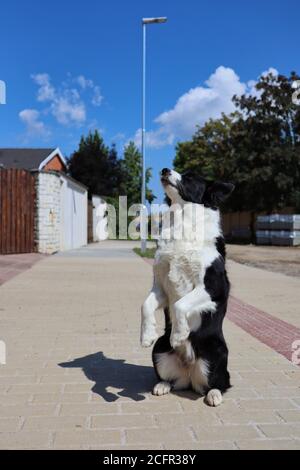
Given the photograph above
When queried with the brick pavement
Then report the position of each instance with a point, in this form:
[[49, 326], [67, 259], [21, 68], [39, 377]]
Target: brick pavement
[[76, 376], [272, 331], [12, 265]]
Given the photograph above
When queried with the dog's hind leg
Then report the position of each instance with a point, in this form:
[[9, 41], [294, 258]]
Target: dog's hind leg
[[172, 373], [155, 300], [219, 378]]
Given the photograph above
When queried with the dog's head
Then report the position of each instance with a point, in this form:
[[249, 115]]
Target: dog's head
[[189, 187]]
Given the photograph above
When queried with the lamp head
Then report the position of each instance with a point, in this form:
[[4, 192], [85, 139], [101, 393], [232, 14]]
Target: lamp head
[[160, 19]]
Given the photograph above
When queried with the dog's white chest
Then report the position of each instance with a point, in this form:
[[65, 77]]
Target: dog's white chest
[[180, 271]]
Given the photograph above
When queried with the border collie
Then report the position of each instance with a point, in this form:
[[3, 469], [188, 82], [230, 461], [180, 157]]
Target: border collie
[[191, 286]]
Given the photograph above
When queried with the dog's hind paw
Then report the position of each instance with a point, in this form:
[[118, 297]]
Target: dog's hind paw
[[214, 397], [161, 388]]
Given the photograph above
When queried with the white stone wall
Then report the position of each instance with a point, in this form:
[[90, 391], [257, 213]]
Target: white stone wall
[[48, 212], [73, 214]]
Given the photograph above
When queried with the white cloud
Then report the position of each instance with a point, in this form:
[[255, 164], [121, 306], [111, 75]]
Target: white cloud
[[197, 106], [84, 82], [46, 91], [97, 97], [154, 139], [118, 137], [66, 102], [270, 70], [34, 126], [87, 83], [251, 84], [68, 111]]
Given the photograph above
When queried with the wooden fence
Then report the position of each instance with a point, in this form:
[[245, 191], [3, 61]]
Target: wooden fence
[[237, 225], [17, 211]]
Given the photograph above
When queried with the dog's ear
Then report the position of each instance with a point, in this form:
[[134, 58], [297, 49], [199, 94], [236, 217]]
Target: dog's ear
[[217, 192]]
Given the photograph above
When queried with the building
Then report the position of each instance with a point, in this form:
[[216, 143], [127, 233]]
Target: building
[[41, 207], [33, 159]]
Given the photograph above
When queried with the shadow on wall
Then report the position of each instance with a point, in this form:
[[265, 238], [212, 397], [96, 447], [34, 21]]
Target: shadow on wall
[[132, 380]]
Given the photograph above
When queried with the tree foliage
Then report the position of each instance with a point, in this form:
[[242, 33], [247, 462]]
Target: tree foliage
[[98, 167], [257, 147], [132, 171]]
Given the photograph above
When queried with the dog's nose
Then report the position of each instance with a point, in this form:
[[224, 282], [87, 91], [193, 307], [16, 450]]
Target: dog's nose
[[165, 172]]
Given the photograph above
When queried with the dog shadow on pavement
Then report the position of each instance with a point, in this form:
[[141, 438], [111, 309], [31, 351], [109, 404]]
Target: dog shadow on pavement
[[132, 380]]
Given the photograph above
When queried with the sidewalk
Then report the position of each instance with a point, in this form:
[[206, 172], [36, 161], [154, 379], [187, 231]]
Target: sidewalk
[[76, 376]]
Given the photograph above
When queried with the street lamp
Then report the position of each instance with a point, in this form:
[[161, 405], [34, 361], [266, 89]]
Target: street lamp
[[145, 21]]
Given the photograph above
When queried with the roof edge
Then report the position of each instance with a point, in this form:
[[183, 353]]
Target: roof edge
[[52, 155]]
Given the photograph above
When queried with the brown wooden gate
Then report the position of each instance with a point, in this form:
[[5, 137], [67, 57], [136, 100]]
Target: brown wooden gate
[[17, 208]]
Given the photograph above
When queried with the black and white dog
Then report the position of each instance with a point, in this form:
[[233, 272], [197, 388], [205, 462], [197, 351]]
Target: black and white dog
[[191, 285]]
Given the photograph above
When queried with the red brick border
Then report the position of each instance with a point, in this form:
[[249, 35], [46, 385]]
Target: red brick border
[[12, 265], [275, 333]]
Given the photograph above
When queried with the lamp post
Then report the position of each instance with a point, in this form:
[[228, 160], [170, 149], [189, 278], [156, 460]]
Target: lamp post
[[145, 21]]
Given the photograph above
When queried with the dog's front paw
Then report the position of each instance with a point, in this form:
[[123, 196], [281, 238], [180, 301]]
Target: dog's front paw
[[162, 388], [148, 338], [178, 339]]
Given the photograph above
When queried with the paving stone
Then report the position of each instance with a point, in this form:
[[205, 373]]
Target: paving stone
[[14, 399], [270, 444], [290, 415], [284, 430], [122, 421], [24, 440], [88, 409], [247, 417], [225, 432], [27, 410], [69, 398], [158, 435], [87, 437], [263, 404], [9, 424], [54, 423]]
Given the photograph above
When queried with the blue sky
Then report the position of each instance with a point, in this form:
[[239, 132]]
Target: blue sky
[[74, 66]]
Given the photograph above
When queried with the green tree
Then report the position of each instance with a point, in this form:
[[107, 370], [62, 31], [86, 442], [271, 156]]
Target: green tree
[[132, 175], [257, 148], [266, 140], [97, 166], [209, 153]]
